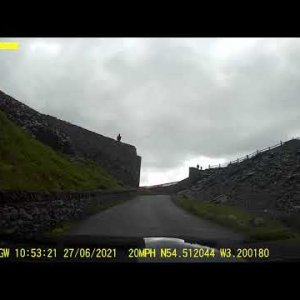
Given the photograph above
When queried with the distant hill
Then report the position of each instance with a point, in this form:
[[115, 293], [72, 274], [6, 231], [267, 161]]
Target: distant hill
[[160, 185], [117, 158], [27, 164]]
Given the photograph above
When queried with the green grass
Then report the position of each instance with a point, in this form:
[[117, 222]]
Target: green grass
[[60, 230], [237, 219], [28, 165]]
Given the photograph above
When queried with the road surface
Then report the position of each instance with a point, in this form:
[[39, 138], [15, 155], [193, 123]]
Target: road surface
[[152, 216]]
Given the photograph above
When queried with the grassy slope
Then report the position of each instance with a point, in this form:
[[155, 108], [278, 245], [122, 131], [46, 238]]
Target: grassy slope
[[237, 219], [27, 164]]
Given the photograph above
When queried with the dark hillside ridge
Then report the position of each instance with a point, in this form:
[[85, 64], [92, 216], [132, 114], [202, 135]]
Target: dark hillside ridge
[[118, 159], [268, 182]]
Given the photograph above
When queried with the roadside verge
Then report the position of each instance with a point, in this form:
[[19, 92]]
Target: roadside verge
[[255, 227]]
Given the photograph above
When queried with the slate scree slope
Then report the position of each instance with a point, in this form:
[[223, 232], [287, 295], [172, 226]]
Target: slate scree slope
[[117, 158], [268, 183]]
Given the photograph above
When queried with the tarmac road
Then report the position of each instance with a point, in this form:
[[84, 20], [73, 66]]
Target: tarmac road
[[152, 216]]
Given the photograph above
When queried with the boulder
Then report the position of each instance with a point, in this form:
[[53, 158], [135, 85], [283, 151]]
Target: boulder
[[24, 214], [221, 199], [258, 222], [232, 217]]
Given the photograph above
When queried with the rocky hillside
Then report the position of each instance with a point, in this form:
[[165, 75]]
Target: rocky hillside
[[118, 159], [28, 165], [268, 182]]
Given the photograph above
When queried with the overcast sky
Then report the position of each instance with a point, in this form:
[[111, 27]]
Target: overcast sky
[[179, 101]]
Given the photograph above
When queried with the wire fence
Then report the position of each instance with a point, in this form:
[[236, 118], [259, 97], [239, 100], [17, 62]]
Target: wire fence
[[246, 157]]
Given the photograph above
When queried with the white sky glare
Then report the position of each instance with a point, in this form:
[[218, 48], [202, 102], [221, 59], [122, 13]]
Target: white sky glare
[[180, 101]]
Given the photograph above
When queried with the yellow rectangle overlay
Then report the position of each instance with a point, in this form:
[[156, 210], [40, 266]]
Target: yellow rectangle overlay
[[9, 45]]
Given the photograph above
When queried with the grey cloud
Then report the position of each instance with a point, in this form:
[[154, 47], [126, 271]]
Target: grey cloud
[[174, 99]]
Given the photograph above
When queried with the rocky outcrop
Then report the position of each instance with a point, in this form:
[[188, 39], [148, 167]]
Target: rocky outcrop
[[117, 158], [269, 182]]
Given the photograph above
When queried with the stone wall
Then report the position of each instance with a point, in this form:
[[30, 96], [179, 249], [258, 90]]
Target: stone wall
[[194, 173], [29, 215], [117, 158]]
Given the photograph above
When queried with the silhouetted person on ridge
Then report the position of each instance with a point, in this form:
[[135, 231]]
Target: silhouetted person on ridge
[[119, 137], [198, 167]]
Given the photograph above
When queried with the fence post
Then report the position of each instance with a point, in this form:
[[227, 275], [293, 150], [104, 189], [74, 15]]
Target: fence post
[[209, 166], [280, 143]]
